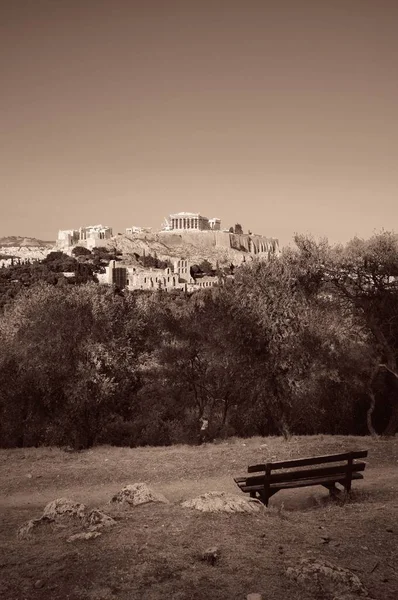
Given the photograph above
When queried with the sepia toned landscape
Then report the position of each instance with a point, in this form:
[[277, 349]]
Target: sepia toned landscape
[[198, 300]]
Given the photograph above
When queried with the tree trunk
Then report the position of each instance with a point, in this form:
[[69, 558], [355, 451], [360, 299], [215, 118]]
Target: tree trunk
[[392, 426], [284, 427], [369, 413]]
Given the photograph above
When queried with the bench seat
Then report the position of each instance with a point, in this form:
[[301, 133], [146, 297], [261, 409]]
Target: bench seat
[[281, 475], [295, 484]]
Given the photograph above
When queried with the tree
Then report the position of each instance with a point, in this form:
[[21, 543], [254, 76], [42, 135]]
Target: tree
[[194, 271], [238, 229], [81, 251], [363, 276], [68, 364], [195, 370], [231, 230], [206, 267]]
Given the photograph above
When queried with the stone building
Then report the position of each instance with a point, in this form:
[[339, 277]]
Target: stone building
[[207, 281], [115, 274], [137, 229], [68, 238], [182, 268], [153, 279], [90, 237], [192, 221], [134, 278]]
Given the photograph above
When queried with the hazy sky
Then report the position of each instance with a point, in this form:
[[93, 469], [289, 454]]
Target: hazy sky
[[278, 114]]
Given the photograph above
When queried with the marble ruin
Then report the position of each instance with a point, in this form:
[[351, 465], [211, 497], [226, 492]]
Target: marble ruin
[[133, 278], [191, 221], [90, 237]]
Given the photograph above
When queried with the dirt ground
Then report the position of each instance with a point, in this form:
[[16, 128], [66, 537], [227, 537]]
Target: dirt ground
[[154, 550]]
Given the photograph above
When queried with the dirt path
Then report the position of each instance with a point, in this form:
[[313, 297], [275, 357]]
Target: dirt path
[[385, 478]]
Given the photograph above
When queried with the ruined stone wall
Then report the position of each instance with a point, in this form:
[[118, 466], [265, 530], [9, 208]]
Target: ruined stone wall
[[252, 244], [200, 239]]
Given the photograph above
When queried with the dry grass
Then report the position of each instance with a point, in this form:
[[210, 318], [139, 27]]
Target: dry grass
[[154, 550]]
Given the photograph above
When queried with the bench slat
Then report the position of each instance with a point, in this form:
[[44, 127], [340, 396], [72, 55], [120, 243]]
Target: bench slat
[[306, 473], [338, 478], [315, 460]]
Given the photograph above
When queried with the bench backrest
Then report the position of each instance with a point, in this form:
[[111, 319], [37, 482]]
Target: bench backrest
[[347, 457]]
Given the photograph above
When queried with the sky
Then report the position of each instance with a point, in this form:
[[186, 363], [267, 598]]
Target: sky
[[281, 115]]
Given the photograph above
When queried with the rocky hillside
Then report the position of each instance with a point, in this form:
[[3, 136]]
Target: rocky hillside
[[216, 247], [193, 246]]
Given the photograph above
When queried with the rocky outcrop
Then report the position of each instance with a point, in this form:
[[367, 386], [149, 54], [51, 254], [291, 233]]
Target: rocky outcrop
[[83, 536], [66, 513], [136, 494], [327, 580], [96, 520], [215, 246], [63, 508], [222, 502]]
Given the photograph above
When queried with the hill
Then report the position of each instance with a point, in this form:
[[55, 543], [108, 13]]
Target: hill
[[15, 246], [221, 247], [17, 241]]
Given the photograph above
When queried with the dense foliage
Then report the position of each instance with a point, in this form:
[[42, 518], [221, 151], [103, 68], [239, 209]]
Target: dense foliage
[[305, 343]]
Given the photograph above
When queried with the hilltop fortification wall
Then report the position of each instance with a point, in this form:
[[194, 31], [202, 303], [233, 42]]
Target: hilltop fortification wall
[[253, 244]]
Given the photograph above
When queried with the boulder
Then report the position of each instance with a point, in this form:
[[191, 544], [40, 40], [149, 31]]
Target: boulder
[[54, 512], [211, 555], [222, 502], [26, 531], [88, 535], [327, 580], [136, 494], [96, 520], [64, 508]]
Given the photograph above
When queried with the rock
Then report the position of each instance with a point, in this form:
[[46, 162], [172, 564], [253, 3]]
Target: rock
[[253, 597], [39, 583], [211, 555], [88, 535], [222, 502], [25, 532], [96, 519], [54, 512], [62, 507], [325, 539], [137, 493], [390, 530], [327, 580]]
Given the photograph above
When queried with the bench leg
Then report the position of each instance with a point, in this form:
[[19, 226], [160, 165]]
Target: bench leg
[[266, 495], [333, 490]]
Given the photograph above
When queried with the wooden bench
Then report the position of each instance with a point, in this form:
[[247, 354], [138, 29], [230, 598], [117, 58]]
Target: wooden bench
[[282, 475]]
